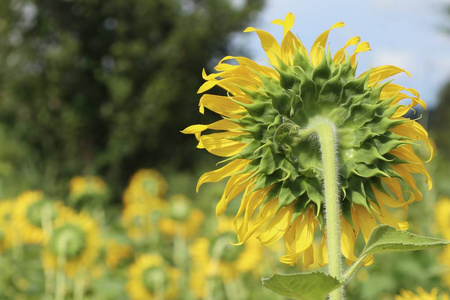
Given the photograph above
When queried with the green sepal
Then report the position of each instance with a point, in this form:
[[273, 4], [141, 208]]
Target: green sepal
[[287, 75], [322, 72], [304, 286], [281, 102], [356, 192], [308, 89], [332, 89], [289, 192], [300, 206], [314, 190], [303, 63], [355, 87]]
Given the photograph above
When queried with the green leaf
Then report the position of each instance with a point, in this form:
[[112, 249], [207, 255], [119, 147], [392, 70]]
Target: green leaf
[[385, 238], [305, 286]]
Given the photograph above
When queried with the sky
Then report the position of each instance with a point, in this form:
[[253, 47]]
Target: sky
[[406, 33]]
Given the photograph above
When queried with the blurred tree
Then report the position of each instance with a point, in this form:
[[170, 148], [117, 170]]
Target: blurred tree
[[439, 122], [91, 86]]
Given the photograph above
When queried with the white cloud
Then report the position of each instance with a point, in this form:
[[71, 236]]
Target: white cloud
[[399, 58]]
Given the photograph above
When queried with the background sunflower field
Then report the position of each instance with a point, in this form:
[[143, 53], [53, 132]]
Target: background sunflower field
[[97, 184]]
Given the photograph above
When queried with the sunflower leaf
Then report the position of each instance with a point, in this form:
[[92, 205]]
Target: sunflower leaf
[[304, 286], [385, 238]]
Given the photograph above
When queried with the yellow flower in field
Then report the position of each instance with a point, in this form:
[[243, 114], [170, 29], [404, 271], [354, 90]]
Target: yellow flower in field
[[74, 243], [183, 219], [7, 234], [442, 216], [144, 186], [219, 258], [88, 190], [444, 259], [150, 278], [32, 212], [422, 295], [140, 219], [278, 170], [117, 252]]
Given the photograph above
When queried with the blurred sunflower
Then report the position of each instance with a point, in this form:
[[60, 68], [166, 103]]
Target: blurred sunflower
[[116, 252], [219, 258], [444, 259], [150, 278], [182, 219], [31, 212], [145, 185], [76, 239], [271, 159], [422, 295], [140, 219], [7, 235], [442, 217], [88, 190]]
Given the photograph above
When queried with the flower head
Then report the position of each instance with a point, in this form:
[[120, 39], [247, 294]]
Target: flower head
[[145, 185], [88, 190], [149, 278], [277, 168], [219, 258], [422, 295], [181, 218], [76, 239], [32, 211]]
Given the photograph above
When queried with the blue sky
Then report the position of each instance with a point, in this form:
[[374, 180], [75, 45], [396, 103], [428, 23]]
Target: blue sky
[[405, 33]]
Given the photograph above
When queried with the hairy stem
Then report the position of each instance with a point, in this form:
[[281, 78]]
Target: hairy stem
[[325, 130]]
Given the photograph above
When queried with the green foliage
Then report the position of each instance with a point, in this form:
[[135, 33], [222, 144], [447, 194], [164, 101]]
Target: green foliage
[[89, 86], [304, 286], [385, 238]]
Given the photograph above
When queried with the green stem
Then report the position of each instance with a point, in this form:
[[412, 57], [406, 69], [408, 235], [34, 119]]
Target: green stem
[[327, 139], [353, 268]]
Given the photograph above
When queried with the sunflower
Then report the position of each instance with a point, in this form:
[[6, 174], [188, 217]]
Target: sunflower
[[149, 278], [88, 190], [219, 258], [182, 218], [31, 212], [140, 219], [145, 185], [442, 216], [277, 169], [422, 295], [76, 239], [116, 252], [7, 235]]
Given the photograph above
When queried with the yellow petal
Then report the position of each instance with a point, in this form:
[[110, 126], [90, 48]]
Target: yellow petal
[[340, 54], [365, 221], [235, 185], [277, 227], [363, 47], [348, 238], [289, 46], [269, 45], [244, 61], [415, 131], [381, 73], [249, 204], [287, 23], [385, 217], [319, 45], [220, 144], [388, 200], [222, 105], [226, 171]]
